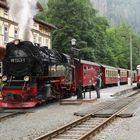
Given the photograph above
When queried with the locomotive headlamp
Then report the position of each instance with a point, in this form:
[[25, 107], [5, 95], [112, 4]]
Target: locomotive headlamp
[[17, 41], [26, 78], [4, 78]]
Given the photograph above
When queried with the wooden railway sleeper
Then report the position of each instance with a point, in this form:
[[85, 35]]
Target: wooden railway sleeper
[[74, 123], [106, 122]]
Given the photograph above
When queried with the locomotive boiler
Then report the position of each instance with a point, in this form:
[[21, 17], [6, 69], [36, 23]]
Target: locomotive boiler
[[32, 74]]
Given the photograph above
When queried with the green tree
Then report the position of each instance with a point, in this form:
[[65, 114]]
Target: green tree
[[118, 46], [98, 42], [118, 43], [77, 19], [136, 50]]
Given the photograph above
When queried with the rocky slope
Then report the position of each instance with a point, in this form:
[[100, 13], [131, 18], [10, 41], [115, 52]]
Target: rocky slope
[[120, 11]]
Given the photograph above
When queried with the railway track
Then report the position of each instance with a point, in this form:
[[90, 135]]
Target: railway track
[[85, 127], [9, 114], [4, 116]]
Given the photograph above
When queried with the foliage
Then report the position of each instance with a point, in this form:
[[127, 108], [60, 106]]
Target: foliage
[[119, 46], [77, 19], [98, 42]]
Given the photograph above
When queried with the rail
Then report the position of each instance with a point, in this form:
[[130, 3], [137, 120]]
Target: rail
[[85, 127]]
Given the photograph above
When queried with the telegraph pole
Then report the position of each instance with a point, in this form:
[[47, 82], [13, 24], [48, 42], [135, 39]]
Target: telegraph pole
[[131, 61]]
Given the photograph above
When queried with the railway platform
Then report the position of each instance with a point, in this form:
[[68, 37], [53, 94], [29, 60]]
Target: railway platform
[[106, 94], [115, 98], [110, 92]]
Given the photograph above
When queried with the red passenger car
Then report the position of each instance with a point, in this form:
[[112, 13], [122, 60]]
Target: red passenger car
[[88, 71], [124, 74], [109, 75], [135, 76]]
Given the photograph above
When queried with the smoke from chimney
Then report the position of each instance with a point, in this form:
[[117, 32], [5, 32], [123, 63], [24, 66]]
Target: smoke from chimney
[[23, 11]]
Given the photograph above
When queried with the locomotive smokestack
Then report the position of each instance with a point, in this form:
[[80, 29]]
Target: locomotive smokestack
[[23, 11]]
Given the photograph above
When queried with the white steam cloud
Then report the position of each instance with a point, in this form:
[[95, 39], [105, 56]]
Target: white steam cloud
[[23, 12]]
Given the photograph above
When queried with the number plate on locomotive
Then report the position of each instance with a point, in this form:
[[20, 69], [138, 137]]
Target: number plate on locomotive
[[17, 60]]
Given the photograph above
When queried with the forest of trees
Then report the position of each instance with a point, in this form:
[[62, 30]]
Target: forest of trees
[[118, 11], [98, 41]]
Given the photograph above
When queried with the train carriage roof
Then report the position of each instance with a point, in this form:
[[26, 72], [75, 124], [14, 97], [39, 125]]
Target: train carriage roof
[[114, 68], [89, 62], [109, 67], [121, 69]]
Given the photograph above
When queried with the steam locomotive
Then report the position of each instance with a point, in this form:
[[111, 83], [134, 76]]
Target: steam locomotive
[[33, 74]]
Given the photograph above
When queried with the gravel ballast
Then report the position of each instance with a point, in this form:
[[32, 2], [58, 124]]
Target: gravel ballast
[[31, 125], [122, 129], [49, 117]]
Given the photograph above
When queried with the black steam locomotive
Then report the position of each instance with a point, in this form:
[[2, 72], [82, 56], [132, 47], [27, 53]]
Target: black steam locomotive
[[32, 74]]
